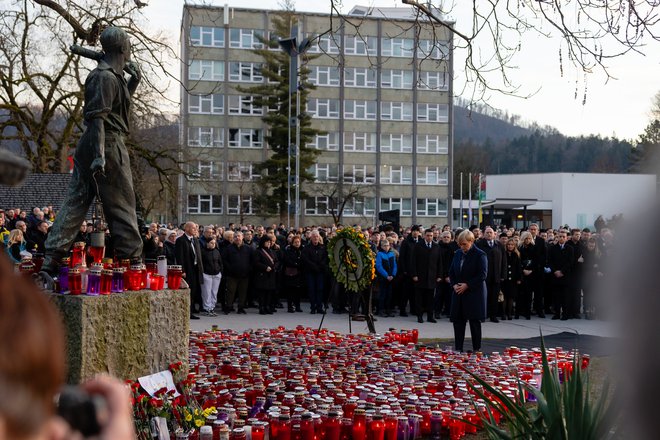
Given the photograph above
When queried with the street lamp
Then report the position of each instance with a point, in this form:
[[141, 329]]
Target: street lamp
[[293, 49]]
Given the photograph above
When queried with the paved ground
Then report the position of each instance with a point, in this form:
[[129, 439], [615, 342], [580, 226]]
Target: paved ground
[[515, 329]]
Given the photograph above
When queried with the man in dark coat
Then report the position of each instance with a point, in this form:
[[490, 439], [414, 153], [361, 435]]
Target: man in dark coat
[[540, 257], [189, 256], [560, 260], [236, 259], [496, 268], [405, 257], [315, 266], [426, 272], [467, 276], [574, 299], [442, 303]]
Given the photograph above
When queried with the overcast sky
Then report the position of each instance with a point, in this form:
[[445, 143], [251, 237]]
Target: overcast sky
[[618, 106]]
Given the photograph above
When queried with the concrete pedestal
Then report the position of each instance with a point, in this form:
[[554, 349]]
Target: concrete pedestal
[[128, 335]]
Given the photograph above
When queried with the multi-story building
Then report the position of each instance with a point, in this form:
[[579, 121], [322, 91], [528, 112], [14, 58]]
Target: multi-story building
[[383, 98]]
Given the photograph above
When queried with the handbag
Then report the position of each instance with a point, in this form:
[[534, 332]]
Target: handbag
[[500, 297], [290, 271]]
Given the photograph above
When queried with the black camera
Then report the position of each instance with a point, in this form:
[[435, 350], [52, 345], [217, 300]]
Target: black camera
[[82, 411]]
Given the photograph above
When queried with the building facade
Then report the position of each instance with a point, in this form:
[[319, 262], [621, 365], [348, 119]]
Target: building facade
[[382, 97]]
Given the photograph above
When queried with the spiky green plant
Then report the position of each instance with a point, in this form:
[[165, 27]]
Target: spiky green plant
[[563, 411]]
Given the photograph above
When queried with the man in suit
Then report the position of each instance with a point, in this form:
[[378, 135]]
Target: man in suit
[[560, 260], [496, 269], [574, 299], [536, 280], [189, 256], [426, 272], [405, 258]]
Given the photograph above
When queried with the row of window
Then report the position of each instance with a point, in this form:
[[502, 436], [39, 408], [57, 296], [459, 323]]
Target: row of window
[[353, 141], [358, 206], [210, 170], [241, 38], [211, 70], [328, 108], [366, 206], [213, 204], [327, 76], [389, 174]]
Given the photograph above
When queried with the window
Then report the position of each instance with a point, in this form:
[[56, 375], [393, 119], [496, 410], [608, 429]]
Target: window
[[360, 206], [245, 138], [207, 36], [237, 205], [323, 108], [324, 75], [397, 47], [243, 105], [206, 70], [395, 143], [432, 112], [359, 109], [432, 175], [432, 144], [245, 38], [360, 45], [402, 204], [433, 81], [327, 43], [360, 173], [204, 204], [432, 207], [325, 172], [328, 141], [396, 79], [436, 50], [319, 205], [241, 172], [205, 170], [205, 136], [396, 111], [359, 141], [396, 174], [245, 72], [359, 77], [206, 104]]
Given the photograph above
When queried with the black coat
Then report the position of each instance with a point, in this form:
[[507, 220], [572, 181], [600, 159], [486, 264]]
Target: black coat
[[472, 303], [212, 261], [315, 259], [426, 265], [447, 252], [405, 254], [293, 264], [186, 258], [513, 268], [562, 260], [170, 252], [496, 260], [264, 279], [237, 261]]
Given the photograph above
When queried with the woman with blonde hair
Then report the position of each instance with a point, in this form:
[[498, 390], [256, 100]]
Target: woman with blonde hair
[[15, 245], [513, 279]]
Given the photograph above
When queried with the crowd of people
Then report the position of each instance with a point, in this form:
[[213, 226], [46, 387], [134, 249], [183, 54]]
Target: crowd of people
[[239, 267]]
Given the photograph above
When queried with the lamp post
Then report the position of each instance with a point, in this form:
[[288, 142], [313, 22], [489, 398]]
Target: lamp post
[[293, 49]]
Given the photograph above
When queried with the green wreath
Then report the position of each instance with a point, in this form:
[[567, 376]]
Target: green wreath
[[351, 259]]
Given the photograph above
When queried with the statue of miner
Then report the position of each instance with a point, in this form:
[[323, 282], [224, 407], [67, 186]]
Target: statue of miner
[[101, 158]]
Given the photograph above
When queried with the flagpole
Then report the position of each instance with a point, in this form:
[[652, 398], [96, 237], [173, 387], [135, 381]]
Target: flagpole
[[480, 195], [469, 199], [460, 211]]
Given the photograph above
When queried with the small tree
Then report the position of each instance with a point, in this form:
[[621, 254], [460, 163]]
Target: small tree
[[274, 95]]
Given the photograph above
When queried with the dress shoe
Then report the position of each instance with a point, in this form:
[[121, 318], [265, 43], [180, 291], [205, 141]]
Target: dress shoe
[[291, 310], [431, 320], [564, 318], [541, 315], [577, 316], [517, 316], [193, 316], [420, 319], [555, 317], [494, 319], [528, 317], [403, 313], [509, 318], [241, 312]]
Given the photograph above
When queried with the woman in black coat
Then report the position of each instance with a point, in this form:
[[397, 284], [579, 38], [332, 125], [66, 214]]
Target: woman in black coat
[[293, 279], [264, 264], [512, 280]]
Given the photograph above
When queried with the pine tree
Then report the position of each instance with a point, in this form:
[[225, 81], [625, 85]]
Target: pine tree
[[274, 95]]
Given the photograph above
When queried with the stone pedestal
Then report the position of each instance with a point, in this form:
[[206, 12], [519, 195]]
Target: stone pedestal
[[128, 335]]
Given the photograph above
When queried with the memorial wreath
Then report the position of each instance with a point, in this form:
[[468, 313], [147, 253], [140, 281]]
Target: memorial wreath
[[351, 259]]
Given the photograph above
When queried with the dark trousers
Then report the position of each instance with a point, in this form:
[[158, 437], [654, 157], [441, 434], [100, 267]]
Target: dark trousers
[[294, 293], [315, 290], [524, 301], [491, 300], [265, 298], [574, 300], [559, 297], [459, 334], [535, 284], [117, 195], [407, 289], [424, 301], [384, 294], [442, 300], [510, 291], [195, 291], [236, 287]]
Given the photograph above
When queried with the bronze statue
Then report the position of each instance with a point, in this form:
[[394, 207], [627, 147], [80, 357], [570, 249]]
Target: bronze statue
[[101, 162]]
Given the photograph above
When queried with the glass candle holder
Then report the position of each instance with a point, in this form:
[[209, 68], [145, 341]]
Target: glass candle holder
[[118, 279], [436, 425], [144, 277], [94, 282], [174, 274], [377, 428], [106, 282], [403, 428], [78, 256], [157, 281], [332, 426], [75, 281], [135, 277], [64, 277], [259, 430], [97, 248]]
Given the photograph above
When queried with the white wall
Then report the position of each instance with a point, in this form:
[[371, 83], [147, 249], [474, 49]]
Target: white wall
[[577, 198]]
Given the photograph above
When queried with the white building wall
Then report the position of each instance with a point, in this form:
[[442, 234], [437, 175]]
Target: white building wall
[[577, 199]]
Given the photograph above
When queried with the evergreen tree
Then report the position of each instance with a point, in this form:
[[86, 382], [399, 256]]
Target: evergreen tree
[[274, 95]]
